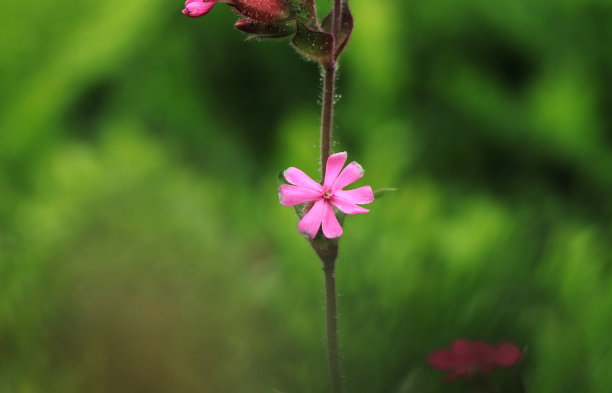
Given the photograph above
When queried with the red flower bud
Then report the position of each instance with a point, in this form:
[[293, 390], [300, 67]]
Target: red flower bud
[[197, 8], [263, 10]]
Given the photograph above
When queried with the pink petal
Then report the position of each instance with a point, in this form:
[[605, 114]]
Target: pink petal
[[357, 196], [294, 195], [331, 226], [483, 356], [442, 360], [346, 206], [461, 348], [350, 174], [335, 162], [197, 8], [463, 352], [310, 223], [506, 355], [299, 178]]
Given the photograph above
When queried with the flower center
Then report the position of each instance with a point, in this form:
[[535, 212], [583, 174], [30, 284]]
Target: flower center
[[327, 194]]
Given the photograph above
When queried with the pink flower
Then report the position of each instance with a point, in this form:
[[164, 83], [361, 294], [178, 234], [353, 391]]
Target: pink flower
[[466, 358], [197, 8], [326, 196]]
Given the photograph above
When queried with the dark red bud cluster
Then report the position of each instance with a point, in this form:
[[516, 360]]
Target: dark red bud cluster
[[282, 18]]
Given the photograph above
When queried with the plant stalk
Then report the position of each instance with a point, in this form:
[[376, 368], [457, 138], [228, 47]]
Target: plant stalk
[[336, 21], [327, 114], [329, 268], [329, 87], [329, 258]]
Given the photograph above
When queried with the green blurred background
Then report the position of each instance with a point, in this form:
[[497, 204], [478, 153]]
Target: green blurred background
[[143, 249]]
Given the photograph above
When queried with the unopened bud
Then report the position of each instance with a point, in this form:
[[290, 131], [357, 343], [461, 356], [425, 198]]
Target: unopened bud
[[263, 10], [197, 8]]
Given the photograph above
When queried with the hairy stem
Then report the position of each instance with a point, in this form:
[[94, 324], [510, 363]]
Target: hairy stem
[[329, 87], [337, 21], [331, 315], [329, 258], [327, 114]]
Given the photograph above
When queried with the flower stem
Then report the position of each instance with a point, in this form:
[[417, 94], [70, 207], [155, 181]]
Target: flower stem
[[327, 113], [329, 253], [337, 21], [329, 268]]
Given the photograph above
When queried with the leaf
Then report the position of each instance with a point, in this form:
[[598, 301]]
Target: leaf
[[312, 44], [377, 195], [340, 215], [304, 11], [259, 30], [281, 178], [302, 209], [381, 192], [346, 27]]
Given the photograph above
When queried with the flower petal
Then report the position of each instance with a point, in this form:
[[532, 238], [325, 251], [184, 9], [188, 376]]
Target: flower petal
[[482, 356], [310, 223], [346, 206], [297, 177], [506, 355], [358, 196], [442, 360], [331, 226], [294, 195], [197, 8], [335, 162], [350, 174], [462, 349]]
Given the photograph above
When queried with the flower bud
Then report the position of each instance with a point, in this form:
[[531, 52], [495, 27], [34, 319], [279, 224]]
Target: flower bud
[[263, 10], [197, 8], [265, 30]]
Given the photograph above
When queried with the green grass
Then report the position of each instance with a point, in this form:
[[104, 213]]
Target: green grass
[[143, 249]]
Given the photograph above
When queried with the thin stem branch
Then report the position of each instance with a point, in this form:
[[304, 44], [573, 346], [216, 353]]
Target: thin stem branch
[[337, 21], [329, 87], [329, 259], [331, 315], [327, 114]]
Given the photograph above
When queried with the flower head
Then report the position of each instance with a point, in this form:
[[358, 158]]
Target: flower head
[[327, 196], [467, 358]]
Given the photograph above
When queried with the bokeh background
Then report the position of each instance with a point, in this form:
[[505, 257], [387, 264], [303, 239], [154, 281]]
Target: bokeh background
[[143, 249]]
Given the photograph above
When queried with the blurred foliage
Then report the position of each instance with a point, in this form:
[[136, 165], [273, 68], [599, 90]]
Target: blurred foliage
[[142, 247]]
